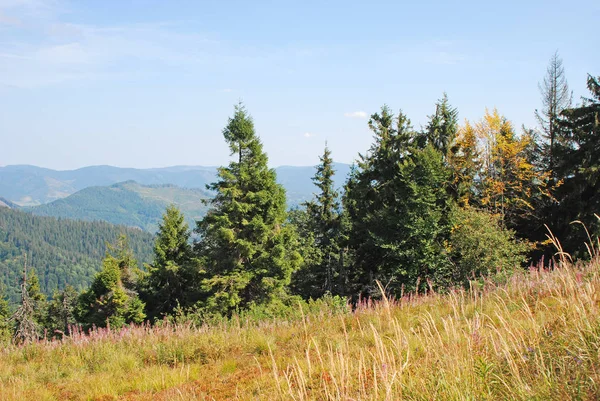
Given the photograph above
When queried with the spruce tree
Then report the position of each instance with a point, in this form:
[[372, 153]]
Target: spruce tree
[[397, 205], [443, 126], [321, 273], [578, 166], [37, 297], [244, 245], [112, 297], [556, 97], [61, 312], [173, 277]]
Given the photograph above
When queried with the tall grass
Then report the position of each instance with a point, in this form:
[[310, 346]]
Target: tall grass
[[535, 337]]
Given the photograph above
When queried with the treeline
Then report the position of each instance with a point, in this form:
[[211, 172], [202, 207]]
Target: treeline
[[60, 251], [422, 210]]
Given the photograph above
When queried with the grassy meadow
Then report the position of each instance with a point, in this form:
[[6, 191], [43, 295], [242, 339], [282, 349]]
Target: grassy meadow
[[536, 337]]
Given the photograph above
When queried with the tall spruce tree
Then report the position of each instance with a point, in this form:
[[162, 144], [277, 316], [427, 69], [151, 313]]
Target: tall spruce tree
[[578, 166], [397, 202], [173, 277], [245, 246], [321, 272], [556, 97], [443, 126]]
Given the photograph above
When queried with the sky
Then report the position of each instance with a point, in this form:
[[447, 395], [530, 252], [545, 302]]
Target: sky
[[152, 83]]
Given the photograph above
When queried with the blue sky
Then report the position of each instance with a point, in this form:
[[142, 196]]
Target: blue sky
[[151, 83]]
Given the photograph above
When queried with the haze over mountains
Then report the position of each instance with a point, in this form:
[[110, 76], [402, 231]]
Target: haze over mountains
[[128, 196]]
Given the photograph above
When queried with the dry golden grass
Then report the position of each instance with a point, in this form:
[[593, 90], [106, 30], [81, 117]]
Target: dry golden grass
[[536, 338]]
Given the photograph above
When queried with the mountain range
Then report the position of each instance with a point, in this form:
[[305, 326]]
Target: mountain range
[[131, 197]]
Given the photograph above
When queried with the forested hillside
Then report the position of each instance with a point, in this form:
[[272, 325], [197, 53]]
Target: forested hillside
[[128, 203], [60, 251]]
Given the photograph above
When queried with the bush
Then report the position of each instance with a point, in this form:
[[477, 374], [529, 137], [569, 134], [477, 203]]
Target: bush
[[479, 246]]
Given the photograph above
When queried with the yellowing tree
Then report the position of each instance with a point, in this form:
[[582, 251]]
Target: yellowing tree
[[464, 162], [509, 182]]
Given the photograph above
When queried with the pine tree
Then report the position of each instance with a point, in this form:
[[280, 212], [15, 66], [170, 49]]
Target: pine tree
[[173, 277], [320, 275], [244, 242], [556, 97], [112, 298]]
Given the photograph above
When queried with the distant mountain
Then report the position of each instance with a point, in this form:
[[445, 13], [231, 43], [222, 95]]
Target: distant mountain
[[61, 251], [31, 186], [128, 203]]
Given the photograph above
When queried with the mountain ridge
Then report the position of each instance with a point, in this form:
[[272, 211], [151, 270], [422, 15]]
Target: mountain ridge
[[29, 185]]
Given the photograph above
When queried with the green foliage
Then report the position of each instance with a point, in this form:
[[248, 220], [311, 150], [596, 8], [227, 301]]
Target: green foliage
[[111, 298], [319, 229], [578, 167], [37, 298], [60, 251], [443, 126], [174, 275], [5, 320], [246, 248], [480, 246], [61, 312], [397, 205]]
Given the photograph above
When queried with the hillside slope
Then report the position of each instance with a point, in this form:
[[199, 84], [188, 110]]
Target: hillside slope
[[535, 338], [128, 203], [61, 251]]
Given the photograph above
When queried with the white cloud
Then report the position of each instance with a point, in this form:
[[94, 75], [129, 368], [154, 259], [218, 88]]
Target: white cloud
[[46, 50], [308, 135], [356, 114]]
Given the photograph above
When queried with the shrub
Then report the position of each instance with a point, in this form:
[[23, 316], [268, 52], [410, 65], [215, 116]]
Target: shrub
[[479, 246]]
